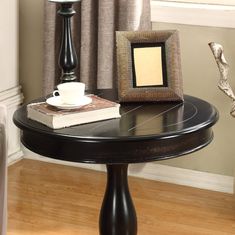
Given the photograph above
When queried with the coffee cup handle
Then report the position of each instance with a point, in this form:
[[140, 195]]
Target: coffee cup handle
[[56, 93]]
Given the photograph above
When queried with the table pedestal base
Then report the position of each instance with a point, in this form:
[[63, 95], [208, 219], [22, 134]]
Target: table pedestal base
[[117, 215]]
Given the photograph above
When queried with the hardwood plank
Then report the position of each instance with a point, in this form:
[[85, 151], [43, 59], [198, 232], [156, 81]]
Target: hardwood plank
[[52, 199]]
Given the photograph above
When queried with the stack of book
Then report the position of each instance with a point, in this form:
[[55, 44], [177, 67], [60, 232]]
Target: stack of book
[[99, 109]]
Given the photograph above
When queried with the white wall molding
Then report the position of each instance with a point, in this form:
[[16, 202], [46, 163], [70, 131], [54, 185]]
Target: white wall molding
[[153, 171], [10, 91], [12, 98], [6, 94], [214, 2], [202, 14]]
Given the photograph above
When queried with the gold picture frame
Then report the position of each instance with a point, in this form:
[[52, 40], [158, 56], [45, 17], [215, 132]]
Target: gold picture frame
[[154, 55]]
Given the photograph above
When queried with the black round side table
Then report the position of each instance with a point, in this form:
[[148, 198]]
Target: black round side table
[[145, 132]]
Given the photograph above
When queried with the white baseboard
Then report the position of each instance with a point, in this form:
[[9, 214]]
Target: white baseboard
[[15, 157], [153, 171], [192, 178]]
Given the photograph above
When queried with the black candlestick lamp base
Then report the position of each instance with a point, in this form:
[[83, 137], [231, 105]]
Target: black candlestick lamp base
[[67, 58]]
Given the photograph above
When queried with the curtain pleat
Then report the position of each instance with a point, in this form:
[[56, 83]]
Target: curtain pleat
[[88, 49]]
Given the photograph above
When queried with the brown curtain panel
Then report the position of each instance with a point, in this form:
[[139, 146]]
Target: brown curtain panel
[[93, 27]]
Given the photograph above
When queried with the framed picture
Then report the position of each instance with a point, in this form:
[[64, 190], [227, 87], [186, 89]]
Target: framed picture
[[149, 66]]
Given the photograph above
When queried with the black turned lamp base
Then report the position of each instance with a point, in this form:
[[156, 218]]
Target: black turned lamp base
[[117, 215], [68, 57]]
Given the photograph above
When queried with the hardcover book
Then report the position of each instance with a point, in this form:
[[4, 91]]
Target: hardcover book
[[99, 109]]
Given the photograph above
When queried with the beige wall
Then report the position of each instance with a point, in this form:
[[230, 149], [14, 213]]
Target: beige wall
[[200, 76], [8, 44], [31, 47], [199, 73]]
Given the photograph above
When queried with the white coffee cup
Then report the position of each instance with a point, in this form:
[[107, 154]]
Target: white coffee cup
[[70, 92]]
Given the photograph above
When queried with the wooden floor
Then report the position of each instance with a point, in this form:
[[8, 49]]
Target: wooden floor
[[49, 199]]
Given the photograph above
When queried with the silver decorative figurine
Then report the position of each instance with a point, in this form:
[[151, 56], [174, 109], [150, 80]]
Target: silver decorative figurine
[[223, 66]]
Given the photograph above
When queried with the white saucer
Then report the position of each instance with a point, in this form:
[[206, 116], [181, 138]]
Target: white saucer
[[56, 102]]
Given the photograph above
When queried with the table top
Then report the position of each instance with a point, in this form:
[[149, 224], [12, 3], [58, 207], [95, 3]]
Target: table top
[[145, 132]]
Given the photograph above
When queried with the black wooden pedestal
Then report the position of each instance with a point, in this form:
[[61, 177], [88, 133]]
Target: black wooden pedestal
[[117, 215]]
